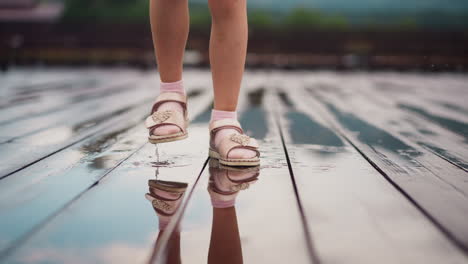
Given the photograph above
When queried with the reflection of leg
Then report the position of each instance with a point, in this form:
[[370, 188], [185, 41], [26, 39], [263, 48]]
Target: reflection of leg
[[166, 197], [172, 248], [225, 245]]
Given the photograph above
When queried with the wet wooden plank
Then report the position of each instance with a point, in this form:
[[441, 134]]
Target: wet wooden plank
[[113, 213], [47, 102], [387, 112], [264, 226], [21, 154], [346, 200], [25, 78], [387, 118], [136, 229], [94, 158], [79, 113], [24, 87], [416, 172], [417, 116], [68, 131], [106, 177], [50, 133], [444, 94]]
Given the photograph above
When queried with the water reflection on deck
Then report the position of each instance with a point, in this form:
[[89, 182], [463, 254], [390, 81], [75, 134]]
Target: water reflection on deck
[[355, 168]]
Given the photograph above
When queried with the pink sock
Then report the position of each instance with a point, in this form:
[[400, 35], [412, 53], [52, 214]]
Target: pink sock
[[218, 115], [172, 87], [175, 87], [220, 135]]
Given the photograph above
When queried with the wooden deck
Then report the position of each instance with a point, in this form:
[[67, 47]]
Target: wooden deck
[[356, 168]]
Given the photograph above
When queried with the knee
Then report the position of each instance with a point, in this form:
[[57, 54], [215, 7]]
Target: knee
[[226, 9]]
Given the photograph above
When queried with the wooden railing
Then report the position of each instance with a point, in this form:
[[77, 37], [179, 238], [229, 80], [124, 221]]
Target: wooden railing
[[78, 43]]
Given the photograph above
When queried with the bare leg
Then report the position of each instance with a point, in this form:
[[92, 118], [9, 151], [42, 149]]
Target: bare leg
[[170, 26], [228, 47]]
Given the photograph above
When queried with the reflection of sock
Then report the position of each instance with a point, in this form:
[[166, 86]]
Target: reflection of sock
[[163, 222], [223, 204], [173, 87], [220, 135]]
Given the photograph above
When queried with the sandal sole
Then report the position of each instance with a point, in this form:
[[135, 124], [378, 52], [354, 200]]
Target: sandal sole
[[234, 162], [167, 139]]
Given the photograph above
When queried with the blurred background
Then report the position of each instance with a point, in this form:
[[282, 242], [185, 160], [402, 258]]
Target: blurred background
[[429, 35]]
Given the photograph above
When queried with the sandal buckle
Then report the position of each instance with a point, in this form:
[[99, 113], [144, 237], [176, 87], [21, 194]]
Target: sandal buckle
[[240, 139], [240, 187], [161, 205], [161, 116]]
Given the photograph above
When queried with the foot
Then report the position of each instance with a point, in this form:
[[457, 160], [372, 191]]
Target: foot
[[231, 146], [235, 153], [170, 87], [168, 120], [168, 129]]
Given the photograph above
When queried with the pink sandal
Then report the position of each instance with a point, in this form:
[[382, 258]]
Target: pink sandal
[[235, 141], [168, 117], [166, 197], [226, 182]]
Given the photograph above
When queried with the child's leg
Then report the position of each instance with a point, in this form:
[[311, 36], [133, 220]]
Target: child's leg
[[169, 25], [228, 47]]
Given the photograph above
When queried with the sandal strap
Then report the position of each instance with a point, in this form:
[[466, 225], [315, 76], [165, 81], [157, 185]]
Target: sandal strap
[[168, 186], [251, 179], [167, 117], [170, 97], [237, 141], [215, 126], [215, 166]]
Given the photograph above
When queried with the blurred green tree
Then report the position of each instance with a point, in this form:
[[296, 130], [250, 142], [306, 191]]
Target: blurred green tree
[[407, 23], [106, 11], [301, 18], [261, 19], [304, 18], [200, 17]]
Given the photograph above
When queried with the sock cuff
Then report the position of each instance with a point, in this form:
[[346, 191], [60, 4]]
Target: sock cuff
[[218, 115], [163, 224], [223, 204], [175, 87]]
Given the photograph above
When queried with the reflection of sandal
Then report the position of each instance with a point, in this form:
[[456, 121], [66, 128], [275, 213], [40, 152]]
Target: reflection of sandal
[[166, 197], [226, 182], [168, 117], [235, 141]]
